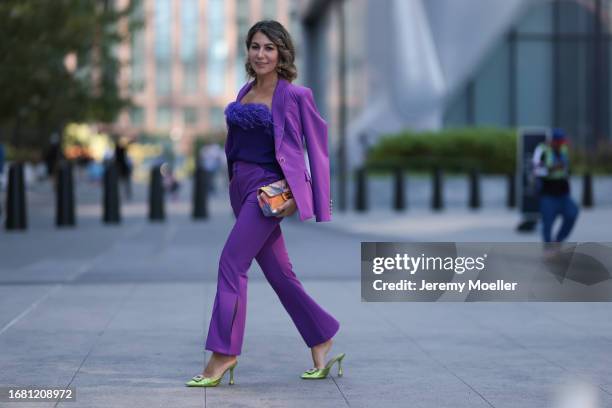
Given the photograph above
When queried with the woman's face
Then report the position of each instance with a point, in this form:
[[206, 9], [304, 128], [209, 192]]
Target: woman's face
[[263, 54]]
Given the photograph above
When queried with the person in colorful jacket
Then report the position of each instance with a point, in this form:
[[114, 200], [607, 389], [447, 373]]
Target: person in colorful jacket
[[551, 166]]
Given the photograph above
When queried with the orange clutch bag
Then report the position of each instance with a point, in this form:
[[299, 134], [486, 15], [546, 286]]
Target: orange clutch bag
[[272, 196]]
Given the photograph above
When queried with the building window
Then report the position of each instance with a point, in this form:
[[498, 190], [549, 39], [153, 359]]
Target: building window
[[137, 60], [242, 24], [163, 22], [164, 116], [163, 79], [457, 110], [546, 72], [216, 119], [217, 49], [189, 45], [492, 90], [269, 9], [190, 78], [574, 101], [189, 30], [534, 83], [575, 18], [163, 50], [539, 20], [137, 116], [190, 115], [243, 10]]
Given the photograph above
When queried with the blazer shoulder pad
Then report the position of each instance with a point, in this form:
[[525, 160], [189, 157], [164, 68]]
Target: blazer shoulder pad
[[299, 92]]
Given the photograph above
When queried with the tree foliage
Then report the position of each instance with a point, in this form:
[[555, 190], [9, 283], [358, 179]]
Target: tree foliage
[[39, 92]]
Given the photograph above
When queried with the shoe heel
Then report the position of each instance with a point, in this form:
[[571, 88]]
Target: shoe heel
[[231, 382]]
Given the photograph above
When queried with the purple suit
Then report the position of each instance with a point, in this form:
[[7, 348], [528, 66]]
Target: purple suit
[[255, 236], [295, 114]]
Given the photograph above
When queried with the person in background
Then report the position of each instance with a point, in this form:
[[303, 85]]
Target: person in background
[[211, 160], [551, 166], [169, 181], [1, 164], [1, 173], [53, 154], [124, 166]]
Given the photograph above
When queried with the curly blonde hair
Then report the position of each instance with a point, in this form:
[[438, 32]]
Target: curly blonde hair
[[280, 37]]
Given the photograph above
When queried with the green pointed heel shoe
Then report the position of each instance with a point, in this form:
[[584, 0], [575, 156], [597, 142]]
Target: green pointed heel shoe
[[201, 381], [321, 373]]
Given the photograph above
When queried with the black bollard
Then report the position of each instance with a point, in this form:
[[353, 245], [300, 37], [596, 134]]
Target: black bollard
[[16, 208], [587, 190], [361, 191], [474, 201], [156, 195], [511, 197], [64, 210], [399, 203], [437, 199], [111, 199], [201, 181]]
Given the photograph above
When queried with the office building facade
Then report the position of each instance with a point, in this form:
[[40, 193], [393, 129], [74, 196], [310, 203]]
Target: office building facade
[[428, 64], [187, 63]]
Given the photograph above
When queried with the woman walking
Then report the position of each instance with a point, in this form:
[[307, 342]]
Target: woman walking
[[266, 126]]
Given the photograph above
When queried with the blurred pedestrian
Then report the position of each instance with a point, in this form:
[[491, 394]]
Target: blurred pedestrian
[[1, 173], [53, 154], [211, 158], [124, 166], [170, 182], [95, 171], [2, 158], [551, 166], [108, 156]]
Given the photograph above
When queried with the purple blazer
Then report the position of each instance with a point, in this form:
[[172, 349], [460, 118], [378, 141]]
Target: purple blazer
[[296, 118]]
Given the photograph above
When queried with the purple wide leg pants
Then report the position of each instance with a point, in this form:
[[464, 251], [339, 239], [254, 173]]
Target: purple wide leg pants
[[255, 236]]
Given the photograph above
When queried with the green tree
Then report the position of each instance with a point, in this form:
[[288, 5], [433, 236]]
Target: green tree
[[40, 93]]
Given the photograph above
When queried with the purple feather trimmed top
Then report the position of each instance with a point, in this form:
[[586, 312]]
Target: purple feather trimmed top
[[252, 135], [249, 115]]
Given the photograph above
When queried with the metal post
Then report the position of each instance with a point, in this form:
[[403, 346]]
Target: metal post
[[437, 198], [587, 190], [156, 195], [474, 201], [111, 198], [342, 114], [399, 202], [361, 191], [16, 208], [511, 197], [201, 180], [64, 210]]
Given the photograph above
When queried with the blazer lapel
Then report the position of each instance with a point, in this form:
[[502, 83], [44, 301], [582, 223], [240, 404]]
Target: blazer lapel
[[278, 111]]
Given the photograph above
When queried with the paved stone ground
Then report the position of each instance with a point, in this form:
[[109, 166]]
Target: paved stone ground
[[121, 313]]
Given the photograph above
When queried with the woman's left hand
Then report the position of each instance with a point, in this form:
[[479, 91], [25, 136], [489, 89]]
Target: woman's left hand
[[287, 209]]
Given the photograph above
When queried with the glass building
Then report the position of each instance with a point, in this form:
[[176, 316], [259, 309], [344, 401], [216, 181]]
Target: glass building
[[428, 64], [551, 68]]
